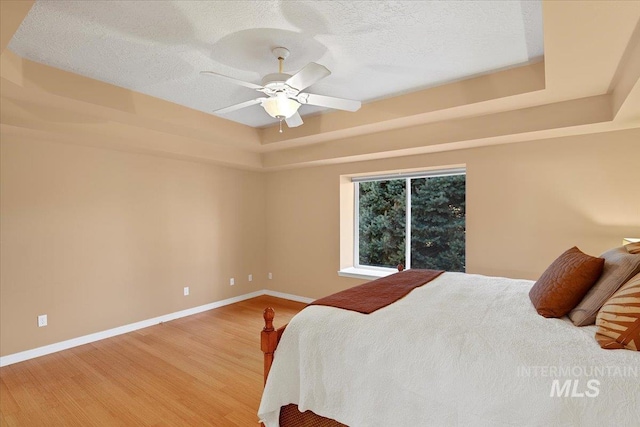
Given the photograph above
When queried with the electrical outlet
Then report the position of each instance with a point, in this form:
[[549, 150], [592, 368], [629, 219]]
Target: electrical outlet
[[232, 281], [42, 320], [186, 291], [270, 276], [251, 277]]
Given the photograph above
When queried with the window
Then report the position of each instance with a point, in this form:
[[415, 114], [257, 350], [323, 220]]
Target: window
[[414, 219]]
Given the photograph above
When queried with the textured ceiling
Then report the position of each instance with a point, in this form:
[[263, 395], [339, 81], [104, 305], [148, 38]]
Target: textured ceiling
[[374, 49]]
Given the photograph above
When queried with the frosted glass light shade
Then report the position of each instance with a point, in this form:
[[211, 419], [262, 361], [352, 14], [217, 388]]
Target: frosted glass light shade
[[280, 106]]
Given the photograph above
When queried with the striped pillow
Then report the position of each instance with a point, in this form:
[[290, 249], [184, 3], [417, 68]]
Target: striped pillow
[[619, 318]]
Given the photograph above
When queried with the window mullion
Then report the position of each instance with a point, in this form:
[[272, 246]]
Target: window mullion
[[407, 243], [356, 225]]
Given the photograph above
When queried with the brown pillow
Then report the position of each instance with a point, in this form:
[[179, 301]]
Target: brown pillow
[[565, 282], [619, 318], [619, 267]]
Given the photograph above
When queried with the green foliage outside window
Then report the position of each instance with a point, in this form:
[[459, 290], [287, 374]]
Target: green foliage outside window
[[382, 223], [437, 222]]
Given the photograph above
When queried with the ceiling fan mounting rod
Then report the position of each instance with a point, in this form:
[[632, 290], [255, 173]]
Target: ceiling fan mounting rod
[[281, 53]]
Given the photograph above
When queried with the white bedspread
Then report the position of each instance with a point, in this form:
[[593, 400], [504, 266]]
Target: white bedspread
[[463, 350]]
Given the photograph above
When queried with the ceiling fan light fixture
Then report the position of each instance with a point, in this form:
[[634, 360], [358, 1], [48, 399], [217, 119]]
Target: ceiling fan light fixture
[[282, 92], [280, 106]]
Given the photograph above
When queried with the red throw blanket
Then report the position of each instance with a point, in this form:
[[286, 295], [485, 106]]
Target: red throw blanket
[[372, 296]]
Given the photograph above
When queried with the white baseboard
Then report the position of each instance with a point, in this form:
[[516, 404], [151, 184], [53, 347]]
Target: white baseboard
[[86, 339], [288, 296]]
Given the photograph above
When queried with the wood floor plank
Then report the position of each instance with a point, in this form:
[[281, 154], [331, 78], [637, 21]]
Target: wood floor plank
[[203, 370]]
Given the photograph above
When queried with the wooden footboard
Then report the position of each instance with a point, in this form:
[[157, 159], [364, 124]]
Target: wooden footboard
[[289, 415]]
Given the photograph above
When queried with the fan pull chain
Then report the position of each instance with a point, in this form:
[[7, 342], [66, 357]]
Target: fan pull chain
[[281, 125]]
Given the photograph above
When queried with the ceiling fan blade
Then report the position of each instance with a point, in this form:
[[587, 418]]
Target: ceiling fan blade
[[310, 74], [294, 121], [231, 79], [239, 106], [329, 101]]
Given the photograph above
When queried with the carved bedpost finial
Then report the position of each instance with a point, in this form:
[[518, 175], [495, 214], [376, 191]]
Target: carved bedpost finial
[[400, 267], [268, 316]]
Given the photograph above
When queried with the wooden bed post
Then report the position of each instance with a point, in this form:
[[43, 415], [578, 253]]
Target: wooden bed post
[[268, 340]]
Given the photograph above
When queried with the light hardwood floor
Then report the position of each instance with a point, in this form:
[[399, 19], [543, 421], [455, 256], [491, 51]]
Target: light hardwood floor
[[201, 370]]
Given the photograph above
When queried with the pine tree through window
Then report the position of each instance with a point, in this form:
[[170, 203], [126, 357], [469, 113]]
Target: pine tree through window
[[417, 220]]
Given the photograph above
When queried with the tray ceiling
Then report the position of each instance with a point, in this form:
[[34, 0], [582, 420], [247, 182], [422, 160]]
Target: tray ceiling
[[374, 49]]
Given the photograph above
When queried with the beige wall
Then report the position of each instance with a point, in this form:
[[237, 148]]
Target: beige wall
[[99, 238], [526, 203]]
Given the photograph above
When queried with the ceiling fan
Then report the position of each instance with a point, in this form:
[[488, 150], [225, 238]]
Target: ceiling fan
[[284, 92]]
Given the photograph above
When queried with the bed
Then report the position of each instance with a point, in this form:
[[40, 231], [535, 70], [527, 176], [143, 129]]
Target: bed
[[461, 350]]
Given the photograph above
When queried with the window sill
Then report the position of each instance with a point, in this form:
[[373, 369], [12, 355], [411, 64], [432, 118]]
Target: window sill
[[366, 273]]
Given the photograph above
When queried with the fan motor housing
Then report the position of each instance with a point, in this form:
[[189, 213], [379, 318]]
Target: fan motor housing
[[275, 83], [275, 78]]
